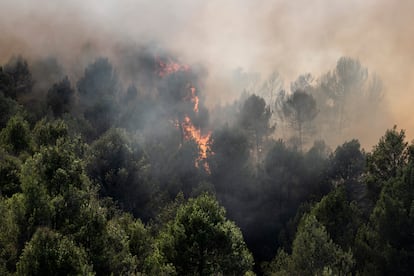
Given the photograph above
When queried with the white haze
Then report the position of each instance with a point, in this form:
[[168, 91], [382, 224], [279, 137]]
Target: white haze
[[292, 37]]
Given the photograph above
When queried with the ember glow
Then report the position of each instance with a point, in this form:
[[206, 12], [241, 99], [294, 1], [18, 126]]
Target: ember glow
[[168, 67], [192, 96], [191, 132], [194, 99]]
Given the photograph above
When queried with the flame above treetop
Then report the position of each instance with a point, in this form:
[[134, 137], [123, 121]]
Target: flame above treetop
[[189, 130]]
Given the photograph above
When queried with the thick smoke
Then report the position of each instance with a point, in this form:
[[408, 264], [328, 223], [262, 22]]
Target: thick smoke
[[293, 37], [203, 90]]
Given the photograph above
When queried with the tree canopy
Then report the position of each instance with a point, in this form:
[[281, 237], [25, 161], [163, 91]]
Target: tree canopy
[[200, 240], [101, 173]]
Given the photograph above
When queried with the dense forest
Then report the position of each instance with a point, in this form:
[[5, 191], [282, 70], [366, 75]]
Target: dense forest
[[122, 169]]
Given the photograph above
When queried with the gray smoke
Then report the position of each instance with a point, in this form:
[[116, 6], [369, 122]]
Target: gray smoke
[[292, 37]]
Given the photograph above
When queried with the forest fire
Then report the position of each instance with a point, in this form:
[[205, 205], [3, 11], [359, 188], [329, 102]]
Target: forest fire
[[169, 67], [189, 130], [193, 98]]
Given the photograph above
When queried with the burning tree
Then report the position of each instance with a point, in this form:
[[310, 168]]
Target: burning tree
[[178, 88]]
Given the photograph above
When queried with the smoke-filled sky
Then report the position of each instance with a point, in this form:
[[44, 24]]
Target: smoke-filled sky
[[292, 37]]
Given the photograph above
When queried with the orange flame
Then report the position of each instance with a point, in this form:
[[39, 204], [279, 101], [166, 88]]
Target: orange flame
[[188, 129], [191, 132], [192, 97], [169, 67]]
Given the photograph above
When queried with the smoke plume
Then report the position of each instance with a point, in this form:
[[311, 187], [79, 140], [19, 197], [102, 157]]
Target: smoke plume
[[291, 37]]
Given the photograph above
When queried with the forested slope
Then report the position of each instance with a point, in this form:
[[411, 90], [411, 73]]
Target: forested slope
[[99, 177]]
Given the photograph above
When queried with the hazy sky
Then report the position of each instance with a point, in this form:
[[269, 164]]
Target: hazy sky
[[293, 37]]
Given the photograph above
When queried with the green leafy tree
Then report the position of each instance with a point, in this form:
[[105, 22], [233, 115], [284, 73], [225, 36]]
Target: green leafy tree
[[392, 219], [12, 218], [200, 240], [347, 162], [55, 189], [115, 256], [368, 252], [384, 245], [313, 252], [54, 185], [139, 238], [9, 174], [58, 195], [121, 169], [50, 253], [339, 217], [386, 160], [8, 108], [47, 133], [15, 137], [346, 167], [104, 238]]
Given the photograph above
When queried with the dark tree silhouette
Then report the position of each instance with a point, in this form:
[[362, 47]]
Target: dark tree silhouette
[[300, 110], [98, 90], [255, 119], [60, 97], [17, 78]]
